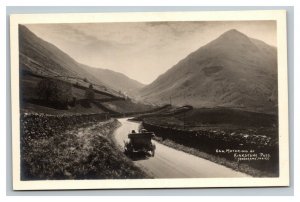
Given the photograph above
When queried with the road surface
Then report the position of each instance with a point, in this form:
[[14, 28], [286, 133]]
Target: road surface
[[171, 163]]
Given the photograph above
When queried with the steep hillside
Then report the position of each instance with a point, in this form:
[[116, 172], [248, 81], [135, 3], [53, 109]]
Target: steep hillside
[[43, 58], [233, 71], [46, 59]]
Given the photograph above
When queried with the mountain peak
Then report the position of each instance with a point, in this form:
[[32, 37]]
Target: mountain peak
[[233, 33], [232, 70]]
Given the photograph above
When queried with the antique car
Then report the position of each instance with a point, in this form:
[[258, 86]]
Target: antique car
[[139, 142]]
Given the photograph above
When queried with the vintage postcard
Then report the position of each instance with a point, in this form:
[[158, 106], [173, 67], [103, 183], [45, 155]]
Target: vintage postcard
[[149, 100]]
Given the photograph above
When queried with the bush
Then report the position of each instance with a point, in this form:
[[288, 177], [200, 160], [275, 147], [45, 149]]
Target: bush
[[54, 91], [89, 93]]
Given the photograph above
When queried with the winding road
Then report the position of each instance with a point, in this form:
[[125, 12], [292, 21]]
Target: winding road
[[171, 163]]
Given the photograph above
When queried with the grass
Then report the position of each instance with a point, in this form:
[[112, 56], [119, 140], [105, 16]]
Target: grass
[[31, 101], [29, 83], [228, 116], [202, 131], [241, 167], [85, 151], [127, 106]]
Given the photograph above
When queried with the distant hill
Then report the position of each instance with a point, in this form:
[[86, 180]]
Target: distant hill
[[41, 57], [116, 80], [230, 71]]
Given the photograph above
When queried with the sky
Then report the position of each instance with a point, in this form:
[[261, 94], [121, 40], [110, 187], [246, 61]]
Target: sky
[[143, 50]]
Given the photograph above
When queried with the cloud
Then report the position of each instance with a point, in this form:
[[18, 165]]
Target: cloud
[[79, 35], [142, 50]]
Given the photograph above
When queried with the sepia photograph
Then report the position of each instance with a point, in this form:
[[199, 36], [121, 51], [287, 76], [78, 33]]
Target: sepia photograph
[[149, 100]]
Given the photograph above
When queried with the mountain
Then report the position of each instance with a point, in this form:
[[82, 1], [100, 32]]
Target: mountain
[[44, 58], [230, 71], [116, 80]]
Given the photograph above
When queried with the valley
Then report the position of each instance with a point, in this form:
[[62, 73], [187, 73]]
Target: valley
[[221, 97]]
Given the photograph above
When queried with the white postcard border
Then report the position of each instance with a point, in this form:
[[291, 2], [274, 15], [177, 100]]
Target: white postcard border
[[278, 15]]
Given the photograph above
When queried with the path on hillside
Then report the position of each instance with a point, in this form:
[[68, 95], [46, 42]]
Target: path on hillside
[[171, 163]]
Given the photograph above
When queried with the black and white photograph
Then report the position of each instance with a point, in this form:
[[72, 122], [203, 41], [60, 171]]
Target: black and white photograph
[[161, 101]]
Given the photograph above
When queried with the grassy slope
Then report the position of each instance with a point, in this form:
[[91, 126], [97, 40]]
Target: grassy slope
[[223, 122], [220, 118], [127, 106], [84, 152], [228, 116], [28, 86], [242, 167]]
